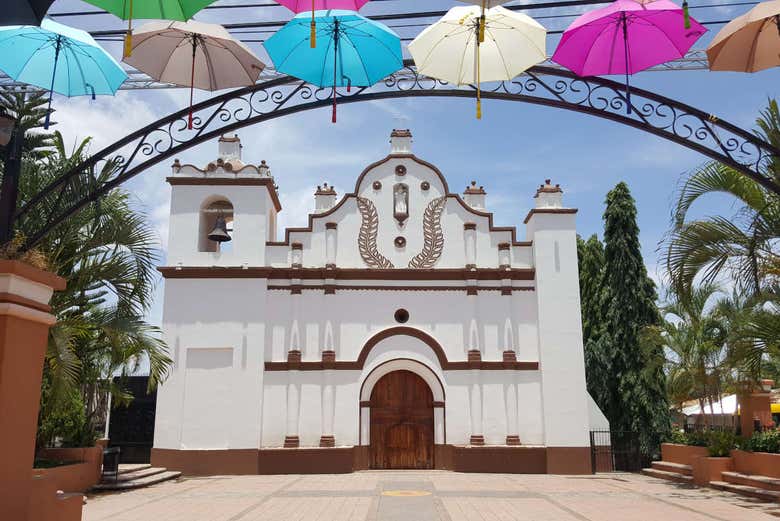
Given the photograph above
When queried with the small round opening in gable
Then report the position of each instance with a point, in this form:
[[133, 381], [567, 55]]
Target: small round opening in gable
[[402, 316]]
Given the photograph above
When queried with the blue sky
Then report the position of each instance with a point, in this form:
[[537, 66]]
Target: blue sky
[[510, 151]]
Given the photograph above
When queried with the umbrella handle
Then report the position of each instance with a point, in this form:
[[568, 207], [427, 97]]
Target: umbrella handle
[[313, 28], [47, 121], [128, 50], [192, 79], [482, 23], [686, 15]]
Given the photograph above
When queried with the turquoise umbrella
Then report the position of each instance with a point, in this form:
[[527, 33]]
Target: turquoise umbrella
[[60, 59], [351, 51]]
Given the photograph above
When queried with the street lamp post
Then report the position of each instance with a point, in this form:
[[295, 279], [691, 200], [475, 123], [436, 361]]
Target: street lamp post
[[12, 138]]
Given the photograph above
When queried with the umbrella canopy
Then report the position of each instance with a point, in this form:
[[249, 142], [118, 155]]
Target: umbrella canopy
[[356, 51], [194, 54], [749, 43], [178, 10], [626, 37], [24, 12], [300, 6], [450, 50], [59, 58]]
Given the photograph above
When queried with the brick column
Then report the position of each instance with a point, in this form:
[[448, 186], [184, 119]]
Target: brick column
[[25, 319]]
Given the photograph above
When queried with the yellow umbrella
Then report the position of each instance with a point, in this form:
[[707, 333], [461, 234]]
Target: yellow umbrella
[[749, 43]]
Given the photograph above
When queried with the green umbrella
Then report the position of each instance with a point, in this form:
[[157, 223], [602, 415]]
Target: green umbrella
[[177, 10]]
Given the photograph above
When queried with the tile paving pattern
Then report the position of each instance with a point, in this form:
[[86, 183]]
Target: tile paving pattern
[[453, 497]]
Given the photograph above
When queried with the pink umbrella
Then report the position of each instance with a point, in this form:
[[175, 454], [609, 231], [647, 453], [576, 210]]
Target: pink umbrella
[[626, 37], [300, 6]]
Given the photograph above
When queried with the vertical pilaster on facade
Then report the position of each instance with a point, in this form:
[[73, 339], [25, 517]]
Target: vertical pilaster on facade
[[291, 439], [365, 423], [296, 262], [470, 239], [477, 435], [512, 426], [474, 196], [330, 245], [328, 409], [324, 198], [552, 229], [504, 259]]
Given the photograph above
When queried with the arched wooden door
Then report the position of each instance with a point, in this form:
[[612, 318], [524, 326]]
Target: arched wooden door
[[401, 422]]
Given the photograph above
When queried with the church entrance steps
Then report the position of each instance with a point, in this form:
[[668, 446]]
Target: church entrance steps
[[670, 476], [668, 466], [752, 480], [746, 490], [125, 468], [138, 478]]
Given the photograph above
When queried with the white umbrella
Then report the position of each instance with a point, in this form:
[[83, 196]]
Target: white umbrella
[[450, 50], [195, 55]]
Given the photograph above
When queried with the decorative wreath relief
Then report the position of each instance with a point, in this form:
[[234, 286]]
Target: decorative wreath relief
[[433, 235], [368, 233]]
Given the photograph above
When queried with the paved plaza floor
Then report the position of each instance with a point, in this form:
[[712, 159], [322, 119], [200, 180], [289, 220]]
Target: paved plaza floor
[[424, 496]]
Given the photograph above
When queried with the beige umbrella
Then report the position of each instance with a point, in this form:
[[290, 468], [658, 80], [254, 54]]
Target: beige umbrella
[[749, 43], [195, 55]]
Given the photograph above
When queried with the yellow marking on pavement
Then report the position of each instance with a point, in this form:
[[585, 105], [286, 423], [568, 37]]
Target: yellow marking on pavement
[[406, 493]]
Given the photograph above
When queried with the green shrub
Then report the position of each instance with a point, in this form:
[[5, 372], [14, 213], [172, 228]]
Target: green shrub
[[767, 441], [698, 438], [677, 436], [721, 443]]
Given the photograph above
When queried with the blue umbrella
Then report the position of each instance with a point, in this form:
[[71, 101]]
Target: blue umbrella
[[58, 58], [352, 50]]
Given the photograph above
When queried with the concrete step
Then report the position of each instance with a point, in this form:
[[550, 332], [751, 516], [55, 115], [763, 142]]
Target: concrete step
[[752, 480], [668, 466], [671, 476], [124, 468], [140, 474], [745, 490], [153, 479]]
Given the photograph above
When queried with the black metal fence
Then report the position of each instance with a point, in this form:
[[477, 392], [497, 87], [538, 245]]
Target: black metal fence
[[132, 427], [612, 451]]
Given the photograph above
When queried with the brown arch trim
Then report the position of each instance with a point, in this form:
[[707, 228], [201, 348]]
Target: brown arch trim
[[441, 385], [512, 230], [431, 342], [403, 331]]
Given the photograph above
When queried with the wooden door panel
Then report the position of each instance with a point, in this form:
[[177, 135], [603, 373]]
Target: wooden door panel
[[401, 422]]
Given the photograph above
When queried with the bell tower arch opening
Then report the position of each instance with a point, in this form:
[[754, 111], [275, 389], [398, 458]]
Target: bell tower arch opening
[[216, 225]]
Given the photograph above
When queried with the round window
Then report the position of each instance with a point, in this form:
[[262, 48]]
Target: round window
[[402, 316]]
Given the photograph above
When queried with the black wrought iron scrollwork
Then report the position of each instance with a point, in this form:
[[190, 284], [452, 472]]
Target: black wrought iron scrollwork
[[652, 113]]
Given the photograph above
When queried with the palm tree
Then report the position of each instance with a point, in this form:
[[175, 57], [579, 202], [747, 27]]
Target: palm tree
[[742, 246], [107, 253], [694, 338]]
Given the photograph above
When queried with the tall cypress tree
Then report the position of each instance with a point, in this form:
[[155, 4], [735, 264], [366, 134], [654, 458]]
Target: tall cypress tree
[[635, 399], [591, 274]]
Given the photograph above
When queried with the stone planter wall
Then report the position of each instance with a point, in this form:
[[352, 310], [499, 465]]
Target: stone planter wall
[[77, 477], [760, 463], [706, 469], [682, 454]]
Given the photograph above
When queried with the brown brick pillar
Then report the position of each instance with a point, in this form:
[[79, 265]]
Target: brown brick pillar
[[25, 319], [755, 406]]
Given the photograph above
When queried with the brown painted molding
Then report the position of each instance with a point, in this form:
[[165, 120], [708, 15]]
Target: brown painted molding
[[489, 215], [504, 246], [327, 441], [549, 210], [365, 403], [296, 246], [445, 364], [331, 226], [477, 439], [438, 405], [512, 439], [330, 289], [21, 269], [226, 181], [239, 272], [12, 298], [469, 226], [292, 442]]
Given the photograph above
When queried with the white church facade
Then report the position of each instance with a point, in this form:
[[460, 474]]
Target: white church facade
[[399, 329]]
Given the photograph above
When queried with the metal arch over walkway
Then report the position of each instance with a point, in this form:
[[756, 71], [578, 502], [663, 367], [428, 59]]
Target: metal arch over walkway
[[652, 113]]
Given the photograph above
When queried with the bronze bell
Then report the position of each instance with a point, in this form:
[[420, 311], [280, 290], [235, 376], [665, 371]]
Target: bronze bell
[[219, 233]]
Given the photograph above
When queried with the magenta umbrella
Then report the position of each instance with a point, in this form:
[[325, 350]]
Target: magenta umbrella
[[300, 6], [626, 37]]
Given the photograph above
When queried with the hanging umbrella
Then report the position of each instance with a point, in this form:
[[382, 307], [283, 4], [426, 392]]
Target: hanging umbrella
[[484, 4], [749, 43], [626, 37], [357, 52], [195, 55], [450, 50], [58, 58], [177, 10], [24, 12], [301, 6]]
